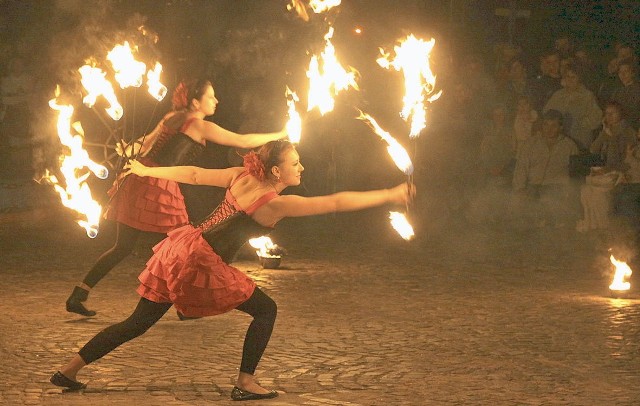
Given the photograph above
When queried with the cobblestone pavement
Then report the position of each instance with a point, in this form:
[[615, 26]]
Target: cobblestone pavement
[[464, 318]]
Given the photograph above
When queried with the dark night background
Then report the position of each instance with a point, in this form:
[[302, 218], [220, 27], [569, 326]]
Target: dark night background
[[252, 49]]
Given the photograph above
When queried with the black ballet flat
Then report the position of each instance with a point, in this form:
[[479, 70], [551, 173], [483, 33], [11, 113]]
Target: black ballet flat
[[60, 380], [239, 394], [77, 307], [182, 317]]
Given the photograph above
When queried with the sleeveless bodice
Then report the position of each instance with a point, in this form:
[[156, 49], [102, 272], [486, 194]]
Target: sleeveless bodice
[[229, 227], [175, 148]]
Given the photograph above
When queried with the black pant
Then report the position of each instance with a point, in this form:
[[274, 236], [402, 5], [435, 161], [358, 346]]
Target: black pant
[[126, 238], [147, 313]]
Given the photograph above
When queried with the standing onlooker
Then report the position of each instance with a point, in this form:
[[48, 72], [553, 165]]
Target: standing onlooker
[[16, 93], [578, 105], [541, 181]]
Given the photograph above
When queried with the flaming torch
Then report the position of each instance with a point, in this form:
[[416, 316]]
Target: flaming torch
[[77, 194], [403, 162], [396, 151], [619, 285], [412, 58], [327, 78], [269, 253], [318, 6], [128, 71], [156, 88], [294, 125], [94, 81]]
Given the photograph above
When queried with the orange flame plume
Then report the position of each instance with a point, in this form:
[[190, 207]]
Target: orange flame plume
[[77, 194], [412, 58], [622, 271]]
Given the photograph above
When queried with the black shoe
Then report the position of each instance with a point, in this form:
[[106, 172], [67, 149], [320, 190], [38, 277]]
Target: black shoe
[[183, 317], [74, 303], [239, 394], [60, 380]]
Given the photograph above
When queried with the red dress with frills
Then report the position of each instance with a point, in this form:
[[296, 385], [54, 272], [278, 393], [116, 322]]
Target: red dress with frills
[[190, 268], [148, 203]]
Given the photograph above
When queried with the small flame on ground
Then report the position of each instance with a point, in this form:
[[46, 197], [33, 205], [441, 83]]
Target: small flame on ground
[[401, 225], [622, 271], [294, 125], [77, 194], [263, 245], [396, 151], [412, 58], [327, 78]]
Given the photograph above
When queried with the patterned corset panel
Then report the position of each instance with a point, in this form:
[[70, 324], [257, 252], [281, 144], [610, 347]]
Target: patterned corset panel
[[175, 149], [227, 230]]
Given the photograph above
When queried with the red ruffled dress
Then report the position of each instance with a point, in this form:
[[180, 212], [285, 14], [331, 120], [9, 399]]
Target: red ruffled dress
[[190, 267], [152, 204]]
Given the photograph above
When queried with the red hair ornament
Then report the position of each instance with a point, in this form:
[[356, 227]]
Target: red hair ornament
[[254, 165], [179, 99]]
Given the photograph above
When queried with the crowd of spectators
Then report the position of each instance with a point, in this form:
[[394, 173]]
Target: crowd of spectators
[[551, 144]]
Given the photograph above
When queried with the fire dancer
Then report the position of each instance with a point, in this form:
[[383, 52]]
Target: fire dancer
[[190, 270], [146, 204]]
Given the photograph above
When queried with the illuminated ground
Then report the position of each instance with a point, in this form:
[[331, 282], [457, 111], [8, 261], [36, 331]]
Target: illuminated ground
[[364, 319]]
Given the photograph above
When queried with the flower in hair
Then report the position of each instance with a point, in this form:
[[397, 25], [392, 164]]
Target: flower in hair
[[179, 99], [253, 164]]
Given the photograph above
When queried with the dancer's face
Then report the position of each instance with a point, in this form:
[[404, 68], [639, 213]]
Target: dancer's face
[[290, 169], [208, 102]]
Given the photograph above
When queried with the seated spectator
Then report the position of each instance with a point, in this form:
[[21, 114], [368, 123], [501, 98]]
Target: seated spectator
[[517, 85], [523, 123], [626, 195], [548, 81], [541, 182], [611, 80], [628, 92], [614, 140], [590, 70], [578, 105], [497, 161]]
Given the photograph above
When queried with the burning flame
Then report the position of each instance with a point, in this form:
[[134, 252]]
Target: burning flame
[[396, 151], [94, 81], [327, 78], [77, 195], [412, 58], [401, 225], [320, 6], [128, 71], [263, 245], [622, 271], [156, 89], [294, 125]]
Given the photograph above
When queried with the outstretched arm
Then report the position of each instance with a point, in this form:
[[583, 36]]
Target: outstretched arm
[[298, 206], [192, 175], [214, 133]]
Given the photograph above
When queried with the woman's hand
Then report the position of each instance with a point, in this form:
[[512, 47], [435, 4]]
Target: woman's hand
[[128, 150], [403, 193], [135, 167]]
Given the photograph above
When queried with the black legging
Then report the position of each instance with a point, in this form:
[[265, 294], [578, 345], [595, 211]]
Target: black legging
[[147, 313], [126, 238]]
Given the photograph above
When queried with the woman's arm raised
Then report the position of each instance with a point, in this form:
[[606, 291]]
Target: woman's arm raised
[[298, 206], [192, 175]]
